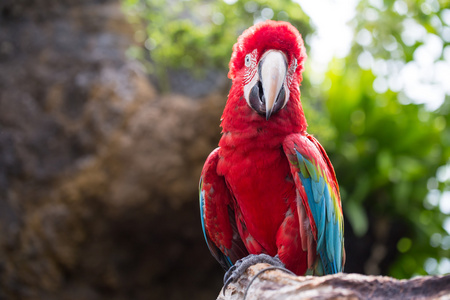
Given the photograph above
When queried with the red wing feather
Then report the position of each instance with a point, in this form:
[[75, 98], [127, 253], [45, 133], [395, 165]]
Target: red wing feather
[[218, 215]]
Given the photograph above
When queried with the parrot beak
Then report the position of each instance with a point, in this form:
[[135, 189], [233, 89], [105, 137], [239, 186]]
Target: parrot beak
[[273, 68], [267, 92]]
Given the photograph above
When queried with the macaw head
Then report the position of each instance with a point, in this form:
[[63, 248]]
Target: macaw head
[[268, 60]]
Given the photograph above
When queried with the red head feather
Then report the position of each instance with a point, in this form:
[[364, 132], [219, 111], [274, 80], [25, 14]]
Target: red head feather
[[269, 35], [238, 116]]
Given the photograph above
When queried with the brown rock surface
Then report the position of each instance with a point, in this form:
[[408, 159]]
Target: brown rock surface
[[98, 172]]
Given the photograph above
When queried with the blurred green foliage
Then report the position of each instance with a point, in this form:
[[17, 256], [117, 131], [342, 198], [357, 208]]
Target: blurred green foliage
[[199, 34], [387, 150], [392, 157]]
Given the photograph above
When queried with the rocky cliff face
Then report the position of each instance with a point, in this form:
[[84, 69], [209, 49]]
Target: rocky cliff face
[[98, 172]]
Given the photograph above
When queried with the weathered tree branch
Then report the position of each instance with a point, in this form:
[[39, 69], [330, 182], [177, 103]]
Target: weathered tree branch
[[276, 284]]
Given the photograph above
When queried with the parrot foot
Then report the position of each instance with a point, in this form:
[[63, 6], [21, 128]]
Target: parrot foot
[[243, 264]]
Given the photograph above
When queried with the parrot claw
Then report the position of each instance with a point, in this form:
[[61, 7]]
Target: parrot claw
[[243, 264]]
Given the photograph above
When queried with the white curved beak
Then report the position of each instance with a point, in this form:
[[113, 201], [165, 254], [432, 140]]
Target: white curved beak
[[273, 74]]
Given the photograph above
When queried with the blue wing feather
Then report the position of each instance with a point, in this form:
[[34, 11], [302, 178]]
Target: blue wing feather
[[215, 200], [223, 259], [323, 207]]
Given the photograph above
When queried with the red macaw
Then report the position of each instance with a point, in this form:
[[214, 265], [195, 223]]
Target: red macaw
[[270, 188]]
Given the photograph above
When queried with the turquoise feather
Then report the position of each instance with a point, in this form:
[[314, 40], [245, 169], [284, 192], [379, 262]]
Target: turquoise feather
[[320, 200]]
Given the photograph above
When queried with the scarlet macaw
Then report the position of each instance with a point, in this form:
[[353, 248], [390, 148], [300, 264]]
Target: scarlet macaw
[[269, 188]]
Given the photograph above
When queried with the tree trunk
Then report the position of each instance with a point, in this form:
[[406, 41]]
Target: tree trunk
[[276, 284]]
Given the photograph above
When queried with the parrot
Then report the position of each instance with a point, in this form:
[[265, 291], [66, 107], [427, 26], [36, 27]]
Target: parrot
[[269, 192]]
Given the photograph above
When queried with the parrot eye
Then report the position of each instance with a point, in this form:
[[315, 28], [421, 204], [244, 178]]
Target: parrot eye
[[247, 60]]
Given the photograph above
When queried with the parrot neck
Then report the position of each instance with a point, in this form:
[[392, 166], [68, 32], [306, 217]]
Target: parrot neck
[[242, 124]]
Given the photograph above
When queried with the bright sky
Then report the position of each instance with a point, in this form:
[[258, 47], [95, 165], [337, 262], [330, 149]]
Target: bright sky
[[423, 80], [334, 36]]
